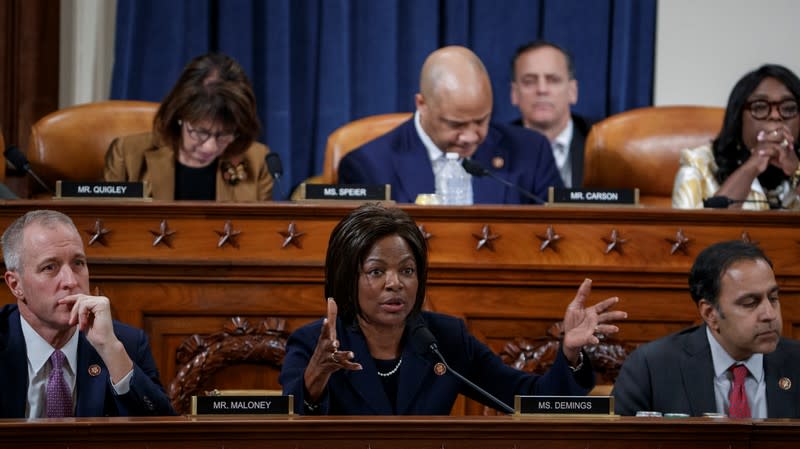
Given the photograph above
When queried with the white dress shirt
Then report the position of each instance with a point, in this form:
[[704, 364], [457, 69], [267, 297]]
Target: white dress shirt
[[754, 384], [561, 153], [436, 155]]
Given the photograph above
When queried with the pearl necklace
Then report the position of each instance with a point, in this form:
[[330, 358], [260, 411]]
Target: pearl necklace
[[394, 370]]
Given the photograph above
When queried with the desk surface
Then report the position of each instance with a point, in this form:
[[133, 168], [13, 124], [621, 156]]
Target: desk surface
[[398, 433]]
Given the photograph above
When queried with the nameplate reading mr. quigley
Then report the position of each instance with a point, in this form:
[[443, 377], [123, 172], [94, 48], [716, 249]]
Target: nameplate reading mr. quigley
[[72, 189], [564, 405], [242, 405]]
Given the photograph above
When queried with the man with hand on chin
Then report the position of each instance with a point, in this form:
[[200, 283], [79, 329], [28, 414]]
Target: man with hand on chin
[[61, 354], [736, 363]]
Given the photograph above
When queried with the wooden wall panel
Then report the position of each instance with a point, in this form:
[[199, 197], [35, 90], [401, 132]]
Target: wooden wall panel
[[514, 290]]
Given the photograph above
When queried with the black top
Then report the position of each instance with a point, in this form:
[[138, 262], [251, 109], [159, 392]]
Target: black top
[[196, 183], [389, 382]]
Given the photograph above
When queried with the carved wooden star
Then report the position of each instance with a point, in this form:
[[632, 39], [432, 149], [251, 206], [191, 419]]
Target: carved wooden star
[[228, 235], [549, 239], [98, 234], [291, 236], [163, 234], [425, 234], [679, 243], [485, 238], [746, 238], [614, 242]]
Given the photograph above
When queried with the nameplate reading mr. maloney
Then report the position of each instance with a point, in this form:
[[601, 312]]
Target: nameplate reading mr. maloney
[[564, 405], [242, 405]]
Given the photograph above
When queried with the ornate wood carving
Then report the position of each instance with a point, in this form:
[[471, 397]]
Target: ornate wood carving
[[163, 235], [291, 236], [538, 356], [485, 238], [614, 242], [679, 243], [549, 239], [98, 233], [200, 357], [228, 235]]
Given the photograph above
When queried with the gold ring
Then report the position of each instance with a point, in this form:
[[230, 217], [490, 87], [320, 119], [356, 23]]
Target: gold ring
[[784, 143]]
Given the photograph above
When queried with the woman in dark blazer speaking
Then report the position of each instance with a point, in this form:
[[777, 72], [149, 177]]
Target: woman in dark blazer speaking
[[366, 357]]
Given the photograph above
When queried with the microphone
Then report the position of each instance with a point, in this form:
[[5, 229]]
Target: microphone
[[476, 169], [15, 157], [723, 202], [275, 168], [424, 342]]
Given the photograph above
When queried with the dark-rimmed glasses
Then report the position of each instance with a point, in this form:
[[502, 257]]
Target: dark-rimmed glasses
[[761, 109], [201, 135]]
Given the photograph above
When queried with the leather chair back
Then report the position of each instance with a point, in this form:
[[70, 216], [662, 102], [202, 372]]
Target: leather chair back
[[71, 143], [641, 148], [354, 134]]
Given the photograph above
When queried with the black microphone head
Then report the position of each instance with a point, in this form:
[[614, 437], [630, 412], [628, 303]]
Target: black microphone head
[[420, 336], [15, 157], [474, 168], [274, 165], [717, 202]]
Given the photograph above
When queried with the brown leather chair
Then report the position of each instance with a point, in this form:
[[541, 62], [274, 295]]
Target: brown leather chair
[[347, 138], [641, 148], [71, 143]]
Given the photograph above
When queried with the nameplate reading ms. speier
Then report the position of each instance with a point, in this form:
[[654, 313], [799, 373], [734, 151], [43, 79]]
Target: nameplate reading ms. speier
[[73, 189], [349, 192], [594, 196], [564, 405], [242, 405]]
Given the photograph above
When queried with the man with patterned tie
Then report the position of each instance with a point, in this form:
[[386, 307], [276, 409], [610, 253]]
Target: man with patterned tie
[[61, 354], [736, 363]]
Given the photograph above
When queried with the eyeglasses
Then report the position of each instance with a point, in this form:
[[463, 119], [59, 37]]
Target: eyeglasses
[[201, 135], [761, 109]]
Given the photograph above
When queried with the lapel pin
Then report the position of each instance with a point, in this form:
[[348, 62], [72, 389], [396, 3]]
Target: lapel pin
[[498, 162], [439, 369], [94, 370], [784, 383]]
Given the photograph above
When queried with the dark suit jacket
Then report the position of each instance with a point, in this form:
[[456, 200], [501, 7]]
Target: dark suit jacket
[[675, 374], [95, 395], [420, 391], [399, 158], [581, 127]]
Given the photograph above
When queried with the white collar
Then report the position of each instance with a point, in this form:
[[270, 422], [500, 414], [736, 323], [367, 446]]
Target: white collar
[[434, 152], [722, 360], [565, 136], [39, 350]]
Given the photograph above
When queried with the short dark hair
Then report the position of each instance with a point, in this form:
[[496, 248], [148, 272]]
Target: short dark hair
[[211, 87], [729, 148], [352, 239], [535, 45], [711, 264]]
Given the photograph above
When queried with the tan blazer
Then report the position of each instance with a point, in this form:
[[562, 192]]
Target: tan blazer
[[137, 158]]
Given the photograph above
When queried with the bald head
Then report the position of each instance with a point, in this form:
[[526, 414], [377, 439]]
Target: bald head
[[455, 100], [452, 70]]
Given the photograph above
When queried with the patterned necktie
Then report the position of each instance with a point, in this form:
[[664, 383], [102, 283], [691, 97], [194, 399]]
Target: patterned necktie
[[59, 398], [738, 395]]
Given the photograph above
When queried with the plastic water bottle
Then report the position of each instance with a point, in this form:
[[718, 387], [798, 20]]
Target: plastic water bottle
[[453, 183]]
